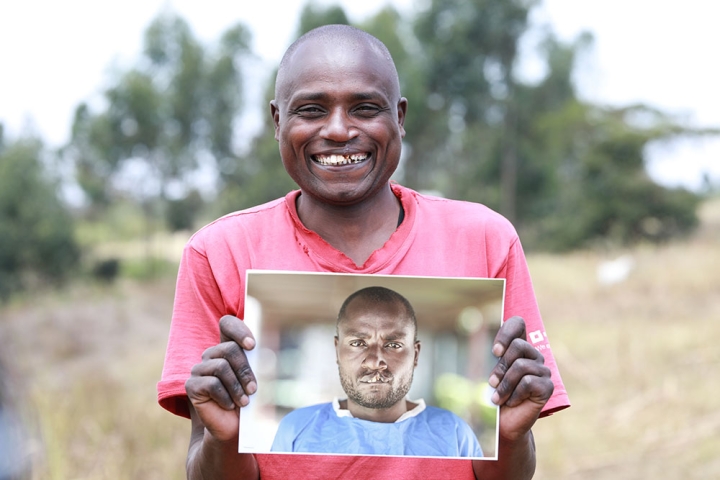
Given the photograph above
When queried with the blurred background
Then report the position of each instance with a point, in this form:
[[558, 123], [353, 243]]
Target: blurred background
[[591, 125]]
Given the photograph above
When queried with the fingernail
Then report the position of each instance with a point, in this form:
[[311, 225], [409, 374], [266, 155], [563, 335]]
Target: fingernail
[[498, 350], [495, 398], [244, 401], [494, 381], [248, 343], [251, 388]]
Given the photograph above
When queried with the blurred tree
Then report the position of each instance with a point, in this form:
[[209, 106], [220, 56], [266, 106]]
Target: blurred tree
[[538, 167], [174, 109], [532, 151], [570, 153], [313, 16], [37, 243], [470, 50], [601, 191], [181, 213]]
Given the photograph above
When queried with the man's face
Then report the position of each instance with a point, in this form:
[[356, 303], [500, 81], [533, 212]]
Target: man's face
[[376, 354], [339, 121]]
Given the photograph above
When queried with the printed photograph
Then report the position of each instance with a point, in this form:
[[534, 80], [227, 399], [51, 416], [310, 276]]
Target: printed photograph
[[372, 365]]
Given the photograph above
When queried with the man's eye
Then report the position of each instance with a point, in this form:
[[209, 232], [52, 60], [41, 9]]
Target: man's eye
[[356, 343], [368, 110], [309, 111], [394, 345]]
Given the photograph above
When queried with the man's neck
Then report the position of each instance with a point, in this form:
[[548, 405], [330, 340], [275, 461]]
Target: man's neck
[[385, 415], [355, 230]]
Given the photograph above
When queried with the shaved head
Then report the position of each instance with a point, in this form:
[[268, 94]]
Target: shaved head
[[375, 298], [342, 38], [337, 100]]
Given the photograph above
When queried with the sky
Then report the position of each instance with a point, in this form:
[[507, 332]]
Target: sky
[[54, 55]]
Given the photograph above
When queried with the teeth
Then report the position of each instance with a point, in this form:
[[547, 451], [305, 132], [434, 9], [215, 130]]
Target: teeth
[[340, 159], [377, 378]]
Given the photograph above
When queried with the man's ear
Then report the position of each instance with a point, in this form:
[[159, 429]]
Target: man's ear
[[401, 112], [275, 113], [337, 360], [417, 352]]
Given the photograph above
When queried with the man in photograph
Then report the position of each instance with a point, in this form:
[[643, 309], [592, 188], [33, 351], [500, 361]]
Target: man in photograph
[[377, 351]]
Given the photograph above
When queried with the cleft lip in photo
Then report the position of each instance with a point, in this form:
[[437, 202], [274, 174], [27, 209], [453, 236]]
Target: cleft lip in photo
[[376, 378]]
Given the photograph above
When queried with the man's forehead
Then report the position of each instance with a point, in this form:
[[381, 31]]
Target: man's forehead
[[320, 56], [365, 315], [329, 47]]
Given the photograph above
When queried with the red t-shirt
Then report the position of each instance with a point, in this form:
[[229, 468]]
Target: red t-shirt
[[438, 237]]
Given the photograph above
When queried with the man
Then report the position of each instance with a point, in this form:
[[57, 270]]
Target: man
[[339, 118], [377, 351]]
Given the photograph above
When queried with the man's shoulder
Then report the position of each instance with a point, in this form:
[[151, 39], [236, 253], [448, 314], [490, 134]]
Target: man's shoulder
[[273, 207], [252, 219], [457, 214], [438, 414], [307, 412]]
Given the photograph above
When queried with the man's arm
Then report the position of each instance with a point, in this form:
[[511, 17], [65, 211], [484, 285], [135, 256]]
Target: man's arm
[[211, 458], [219, 386], [523, 387]]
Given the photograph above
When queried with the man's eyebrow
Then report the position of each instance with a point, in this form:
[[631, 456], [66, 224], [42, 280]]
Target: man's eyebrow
[[356, 334], [366, 95], [309, 96], [390, 337], [316, 96]]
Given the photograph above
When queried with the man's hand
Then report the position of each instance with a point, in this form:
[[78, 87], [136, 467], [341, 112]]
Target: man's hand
[[522, 381], [223, 381]]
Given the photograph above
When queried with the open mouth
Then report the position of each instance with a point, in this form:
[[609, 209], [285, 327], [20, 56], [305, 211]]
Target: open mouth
[[333, 160], [376, 378]]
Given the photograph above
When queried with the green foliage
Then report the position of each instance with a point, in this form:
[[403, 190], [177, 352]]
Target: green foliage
[[122, 221], [37, 243], [176, 106], [565, 172], [602, 192], [182, 214], [313, 16], [147, 269]]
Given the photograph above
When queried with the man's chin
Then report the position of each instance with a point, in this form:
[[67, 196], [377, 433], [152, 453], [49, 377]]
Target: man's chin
[[378, 401]]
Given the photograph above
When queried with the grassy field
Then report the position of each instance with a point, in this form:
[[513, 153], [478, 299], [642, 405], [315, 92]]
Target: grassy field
[[639, 358], [640, 361]]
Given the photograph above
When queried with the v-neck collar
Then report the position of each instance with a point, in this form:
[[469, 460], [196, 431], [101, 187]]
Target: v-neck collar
[[332, 259]]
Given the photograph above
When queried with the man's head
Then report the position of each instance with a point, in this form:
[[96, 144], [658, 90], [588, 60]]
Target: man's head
[[338, 114], [377, 348]]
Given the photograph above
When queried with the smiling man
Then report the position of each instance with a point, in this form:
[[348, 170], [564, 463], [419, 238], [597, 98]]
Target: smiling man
[[339, 119], [377, 351]]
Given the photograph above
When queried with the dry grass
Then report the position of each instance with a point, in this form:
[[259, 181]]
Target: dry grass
[[639, 359], [90, 359]]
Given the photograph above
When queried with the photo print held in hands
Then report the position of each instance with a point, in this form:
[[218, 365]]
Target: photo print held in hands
[[371, 365]]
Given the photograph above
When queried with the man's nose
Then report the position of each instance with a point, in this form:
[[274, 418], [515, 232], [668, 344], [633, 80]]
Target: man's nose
[[374, 359], [339, 127]]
